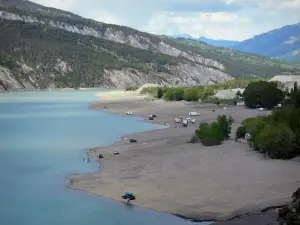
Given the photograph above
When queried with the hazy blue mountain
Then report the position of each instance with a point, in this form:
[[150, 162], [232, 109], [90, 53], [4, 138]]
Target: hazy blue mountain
[[219, 43], [283, 43]]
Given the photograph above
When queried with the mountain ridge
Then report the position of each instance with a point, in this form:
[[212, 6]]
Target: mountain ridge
[[282, 43], [215, 42], [54, 48]]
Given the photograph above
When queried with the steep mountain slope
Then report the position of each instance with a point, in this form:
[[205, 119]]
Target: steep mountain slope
[[283, 43], [218, 43], [54, 48], [241, 63]]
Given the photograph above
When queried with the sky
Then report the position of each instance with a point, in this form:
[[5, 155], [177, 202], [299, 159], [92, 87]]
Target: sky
[[216, 19]]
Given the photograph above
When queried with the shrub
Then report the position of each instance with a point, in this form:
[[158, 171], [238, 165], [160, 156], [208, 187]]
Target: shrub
[[210, 135], [278, 143], [201, 92], [191, 94], [225, 124], [277, 134], [131, 88], [194, 139], [240, 132], [290, 214], [174, 94], [214, 133]]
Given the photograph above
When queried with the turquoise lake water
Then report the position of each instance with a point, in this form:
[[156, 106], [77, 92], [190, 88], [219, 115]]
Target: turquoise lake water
[[42, 140]]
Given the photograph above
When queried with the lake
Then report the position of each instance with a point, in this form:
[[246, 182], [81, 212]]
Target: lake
[[43, 137]]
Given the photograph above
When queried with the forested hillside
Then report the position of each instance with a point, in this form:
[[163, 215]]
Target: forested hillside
[[46, 48]]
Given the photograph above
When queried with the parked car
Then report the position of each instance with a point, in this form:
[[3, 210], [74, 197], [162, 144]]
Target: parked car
[[194, 114]]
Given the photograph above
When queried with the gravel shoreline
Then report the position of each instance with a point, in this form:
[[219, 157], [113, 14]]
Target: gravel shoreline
[[189, 180]]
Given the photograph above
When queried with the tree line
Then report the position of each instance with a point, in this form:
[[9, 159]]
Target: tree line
[[194, 93], [278, 134]]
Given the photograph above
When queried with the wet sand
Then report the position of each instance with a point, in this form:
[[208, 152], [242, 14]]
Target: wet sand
[[204, 183]]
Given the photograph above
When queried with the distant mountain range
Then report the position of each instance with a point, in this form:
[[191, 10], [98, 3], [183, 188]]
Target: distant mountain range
[[282, 43], [218, 43]]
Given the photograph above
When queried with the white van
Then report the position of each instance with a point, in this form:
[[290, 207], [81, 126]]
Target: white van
[[194, 114]]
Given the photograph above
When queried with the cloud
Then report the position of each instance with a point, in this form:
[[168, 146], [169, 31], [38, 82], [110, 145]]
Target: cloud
[[103, 16], [200, 24], [205, 6], [218, 19], [291, 4]]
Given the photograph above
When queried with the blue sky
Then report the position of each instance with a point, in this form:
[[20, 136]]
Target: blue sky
[[217, 19]]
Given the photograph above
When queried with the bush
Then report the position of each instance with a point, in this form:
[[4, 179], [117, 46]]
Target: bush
[[174, 94], [191, 94], [277, 134], [131, 88], [225, 124], [290, 214], [214, 133], [200, 92], [240, 132], [210, 135], [278, 143], [263, 94]]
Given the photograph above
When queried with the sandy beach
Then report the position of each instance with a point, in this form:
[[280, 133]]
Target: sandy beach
[[170, 175]]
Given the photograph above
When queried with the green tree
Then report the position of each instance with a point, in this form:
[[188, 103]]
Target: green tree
[[278, 143], [225, 125], [295, 96], [214, 133], [191, 94], [263, 94]]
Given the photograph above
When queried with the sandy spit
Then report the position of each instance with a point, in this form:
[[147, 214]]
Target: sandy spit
[[204, 183]]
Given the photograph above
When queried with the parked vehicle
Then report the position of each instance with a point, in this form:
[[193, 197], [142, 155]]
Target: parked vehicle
[[194, 114]]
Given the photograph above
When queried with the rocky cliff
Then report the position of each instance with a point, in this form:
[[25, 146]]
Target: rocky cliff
[[65, 50]]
